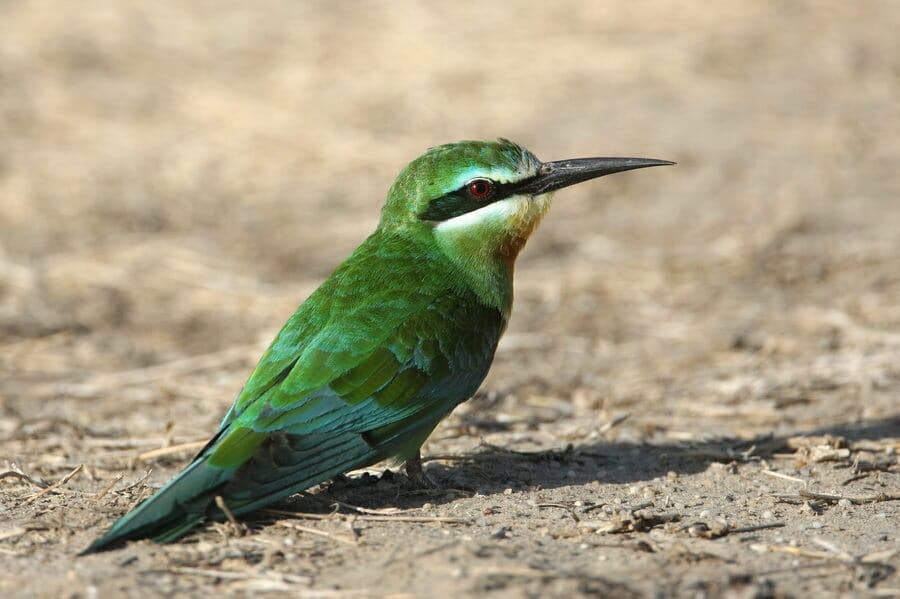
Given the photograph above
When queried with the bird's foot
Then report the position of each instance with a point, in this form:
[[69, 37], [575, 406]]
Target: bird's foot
[[416, 474]]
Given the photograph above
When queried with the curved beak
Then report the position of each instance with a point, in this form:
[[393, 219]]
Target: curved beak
[[562, 173]]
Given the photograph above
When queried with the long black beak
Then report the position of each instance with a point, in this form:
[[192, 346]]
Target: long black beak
[[562, 173]]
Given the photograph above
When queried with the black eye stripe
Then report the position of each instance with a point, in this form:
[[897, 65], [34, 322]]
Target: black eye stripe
[[459, 202]]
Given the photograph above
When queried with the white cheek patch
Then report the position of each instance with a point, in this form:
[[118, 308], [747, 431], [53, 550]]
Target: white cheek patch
[[501, 212]]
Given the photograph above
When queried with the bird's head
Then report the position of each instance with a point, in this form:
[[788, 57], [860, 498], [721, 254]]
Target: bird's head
[[482, 199]]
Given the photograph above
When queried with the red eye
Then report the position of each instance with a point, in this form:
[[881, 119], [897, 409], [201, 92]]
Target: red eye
[[480, 189]]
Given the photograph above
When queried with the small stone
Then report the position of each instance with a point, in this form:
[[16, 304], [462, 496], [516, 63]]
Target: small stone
[[845, 503], [507, 491]]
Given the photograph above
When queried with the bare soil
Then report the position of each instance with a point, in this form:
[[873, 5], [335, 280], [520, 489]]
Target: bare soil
[[698, 396]]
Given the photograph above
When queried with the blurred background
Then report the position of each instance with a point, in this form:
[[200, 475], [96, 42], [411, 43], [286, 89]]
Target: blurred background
[[175, 177]]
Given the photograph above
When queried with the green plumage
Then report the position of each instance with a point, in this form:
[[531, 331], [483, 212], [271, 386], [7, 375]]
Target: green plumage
[[344, 385], [400, 334]]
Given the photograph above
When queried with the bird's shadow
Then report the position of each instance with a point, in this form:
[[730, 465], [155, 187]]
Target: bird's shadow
[[491, 470]]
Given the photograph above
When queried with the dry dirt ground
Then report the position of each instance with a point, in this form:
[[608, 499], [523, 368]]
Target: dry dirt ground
[[698, 393]]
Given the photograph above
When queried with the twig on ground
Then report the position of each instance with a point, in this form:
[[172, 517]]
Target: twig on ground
[[834, 498], [629, 523], [591, 508], [13, 533], [336, 504], [108, 487], [172, 449], [22, 476], [138, 482], [232, 575], [368, 518], [561, 506], [314, 531], [833, 553], [784, 476], [854, 478], [56, 485], [719, 530], [755, 527], [611, 424]]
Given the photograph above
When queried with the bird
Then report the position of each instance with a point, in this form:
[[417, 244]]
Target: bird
[[402, 332]]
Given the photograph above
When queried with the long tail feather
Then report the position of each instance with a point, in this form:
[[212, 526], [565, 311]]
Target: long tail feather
[[165, 511], [283, 465]]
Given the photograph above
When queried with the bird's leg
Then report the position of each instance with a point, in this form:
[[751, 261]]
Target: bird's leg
[[416, 474]]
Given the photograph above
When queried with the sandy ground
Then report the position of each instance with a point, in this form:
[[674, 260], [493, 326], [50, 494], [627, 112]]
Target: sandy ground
[[698, 393]]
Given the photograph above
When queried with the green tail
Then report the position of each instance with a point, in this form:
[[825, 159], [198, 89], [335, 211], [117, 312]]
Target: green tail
[[283, 465]]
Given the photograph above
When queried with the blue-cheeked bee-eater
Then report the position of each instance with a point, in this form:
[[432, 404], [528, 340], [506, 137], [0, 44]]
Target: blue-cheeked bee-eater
[[400, 334]]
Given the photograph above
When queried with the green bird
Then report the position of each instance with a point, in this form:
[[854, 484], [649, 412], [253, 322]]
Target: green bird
[[400, 334]]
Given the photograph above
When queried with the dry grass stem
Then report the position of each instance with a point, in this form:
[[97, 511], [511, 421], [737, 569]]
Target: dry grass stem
[[24, 477], [608, 426], [58, 484], [315, 531], [172, 449], [12, 534], [368, 517], [108, 487], [781, 475], [834, 498], [139, 482]]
